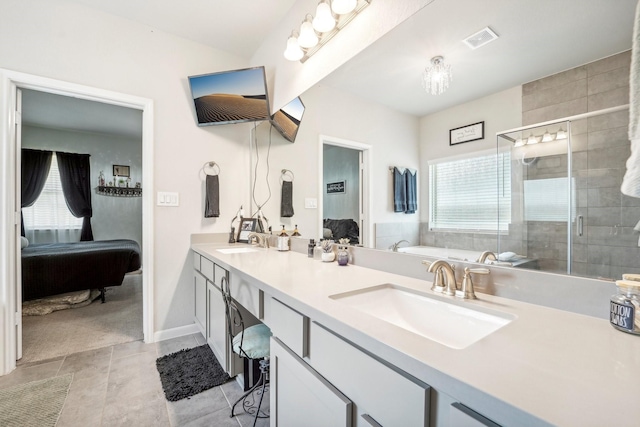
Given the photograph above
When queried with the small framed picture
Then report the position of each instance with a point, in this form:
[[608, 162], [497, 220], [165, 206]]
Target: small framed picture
[[247, 226], [121, 170], [466, 133]]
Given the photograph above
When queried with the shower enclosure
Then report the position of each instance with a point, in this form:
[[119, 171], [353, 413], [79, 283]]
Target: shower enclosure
[[562, 180]]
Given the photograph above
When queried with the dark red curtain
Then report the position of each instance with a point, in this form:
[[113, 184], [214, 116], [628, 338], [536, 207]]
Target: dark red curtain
[[75, 176], [35, 170]]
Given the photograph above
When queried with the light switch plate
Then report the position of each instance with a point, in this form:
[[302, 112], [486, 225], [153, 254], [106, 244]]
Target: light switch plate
[[311, 203], [168, 199]]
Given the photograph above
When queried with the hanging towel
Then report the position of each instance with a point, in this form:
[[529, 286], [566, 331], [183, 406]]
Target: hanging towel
[[631, 181], [286, 203], [412, 193], [399, 190], [212, 201]]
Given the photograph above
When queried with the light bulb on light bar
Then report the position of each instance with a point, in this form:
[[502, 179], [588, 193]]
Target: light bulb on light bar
[[342, 7], [519, 142], [293, 52], [324, 21], [561, 134], [532, 140], [547, 137], [308, 37]]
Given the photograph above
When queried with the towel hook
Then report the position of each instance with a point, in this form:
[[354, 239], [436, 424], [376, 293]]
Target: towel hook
[[284, 174], [213, 166]]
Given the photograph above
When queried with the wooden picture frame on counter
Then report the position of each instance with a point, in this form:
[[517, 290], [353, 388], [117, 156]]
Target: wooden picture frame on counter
[[247, 226]]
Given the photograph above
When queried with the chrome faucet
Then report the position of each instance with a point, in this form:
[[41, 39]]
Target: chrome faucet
[[395, 246], [443, 283], [261, 239], [486, 255]]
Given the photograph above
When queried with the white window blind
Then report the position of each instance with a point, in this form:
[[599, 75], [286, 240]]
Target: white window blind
[[546, 199], [471, 194], [50, 211]]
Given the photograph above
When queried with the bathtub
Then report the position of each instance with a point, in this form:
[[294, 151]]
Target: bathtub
[[432, 251]]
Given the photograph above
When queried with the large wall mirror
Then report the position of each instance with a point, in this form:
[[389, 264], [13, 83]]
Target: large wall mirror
[[551, 60]]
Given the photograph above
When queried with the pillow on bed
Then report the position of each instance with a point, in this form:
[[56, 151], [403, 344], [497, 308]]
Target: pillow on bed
[[326, 233], [23, 242]]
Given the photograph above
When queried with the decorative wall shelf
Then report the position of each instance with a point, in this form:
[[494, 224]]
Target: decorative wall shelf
[[119, 191]]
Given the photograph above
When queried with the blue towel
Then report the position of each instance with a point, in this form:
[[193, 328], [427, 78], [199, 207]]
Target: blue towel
[[411, 177], [399, 191]]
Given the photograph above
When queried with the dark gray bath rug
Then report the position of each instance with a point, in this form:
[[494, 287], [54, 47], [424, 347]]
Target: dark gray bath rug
[[189, 372]]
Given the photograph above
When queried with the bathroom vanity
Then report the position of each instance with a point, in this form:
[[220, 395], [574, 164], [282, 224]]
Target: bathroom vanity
[[340, 356]]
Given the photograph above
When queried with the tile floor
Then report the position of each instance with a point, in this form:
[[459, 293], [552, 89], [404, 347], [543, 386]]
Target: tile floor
[[120, 386]]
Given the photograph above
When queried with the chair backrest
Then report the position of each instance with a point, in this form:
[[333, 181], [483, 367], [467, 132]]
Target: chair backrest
[[234, 317]]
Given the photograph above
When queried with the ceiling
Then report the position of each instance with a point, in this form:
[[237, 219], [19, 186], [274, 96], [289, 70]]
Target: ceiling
[[537, 39]]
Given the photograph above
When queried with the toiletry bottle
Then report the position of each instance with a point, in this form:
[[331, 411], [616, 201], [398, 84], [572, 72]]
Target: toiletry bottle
[[317, 252], [312, 245], [296, 233], [283, 240]]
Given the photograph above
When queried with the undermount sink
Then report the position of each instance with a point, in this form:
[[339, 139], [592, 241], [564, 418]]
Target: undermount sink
[[240, 250], [448, 322]]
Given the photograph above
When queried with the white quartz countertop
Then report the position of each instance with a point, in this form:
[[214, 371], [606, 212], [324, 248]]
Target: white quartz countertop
[[546, 367]]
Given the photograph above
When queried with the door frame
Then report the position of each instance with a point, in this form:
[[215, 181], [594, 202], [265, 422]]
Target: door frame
[[365, 184], [10, 263]]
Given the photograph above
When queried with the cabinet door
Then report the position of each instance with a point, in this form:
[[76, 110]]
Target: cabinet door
[[200, 302], [217, 325], [300, 396]]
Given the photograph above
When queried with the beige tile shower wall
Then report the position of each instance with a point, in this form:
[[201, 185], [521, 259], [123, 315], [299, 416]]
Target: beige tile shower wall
[[608, 246]]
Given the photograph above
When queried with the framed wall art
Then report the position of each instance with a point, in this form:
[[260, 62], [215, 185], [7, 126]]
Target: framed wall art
[[466, 133]]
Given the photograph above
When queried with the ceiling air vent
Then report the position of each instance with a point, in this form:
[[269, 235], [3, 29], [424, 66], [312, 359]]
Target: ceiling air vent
[[482, 37]]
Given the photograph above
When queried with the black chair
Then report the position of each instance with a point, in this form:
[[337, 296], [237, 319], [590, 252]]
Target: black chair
[[252, 344]]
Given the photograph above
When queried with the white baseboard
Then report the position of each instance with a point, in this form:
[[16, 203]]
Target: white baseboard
[[180, 331]]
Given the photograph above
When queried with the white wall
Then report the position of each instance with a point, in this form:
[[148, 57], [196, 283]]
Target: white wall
[[113, 217], [392, 135], [499, 111], [69, 42]]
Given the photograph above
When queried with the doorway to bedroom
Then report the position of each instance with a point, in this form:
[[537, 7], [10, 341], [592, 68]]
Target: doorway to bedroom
[[57, 317], [344, 180]]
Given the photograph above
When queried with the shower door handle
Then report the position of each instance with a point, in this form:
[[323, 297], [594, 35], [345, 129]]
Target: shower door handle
[[580, 225]]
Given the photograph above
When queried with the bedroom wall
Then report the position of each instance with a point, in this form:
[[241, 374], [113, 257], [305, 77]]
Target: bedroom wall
[[341, 164], [113, 217]]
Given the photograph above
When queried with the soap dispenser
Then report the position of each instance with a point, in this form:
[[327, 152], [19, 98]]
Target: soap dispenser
[[283, 240]]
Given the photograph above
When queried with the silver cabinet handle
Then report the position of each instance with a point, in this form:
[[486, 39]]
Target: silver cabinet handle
[[371, 421]]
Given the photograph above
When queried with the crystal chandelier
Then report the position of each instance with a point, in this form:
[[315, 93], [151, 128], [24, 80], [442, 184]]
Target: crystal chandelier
[[436, 77]]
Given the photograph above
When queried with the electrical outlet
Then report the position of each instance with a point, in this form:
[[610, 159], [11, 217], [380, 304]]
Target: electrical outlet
[[311, 203], [168, 199]]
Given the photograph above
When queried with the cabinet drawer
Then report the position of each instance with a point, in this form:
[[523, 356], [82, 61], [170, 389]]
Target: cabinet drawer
[[206, 268], [219, 274], [246, 294], [196, 260], [378, 391], [291, 327]]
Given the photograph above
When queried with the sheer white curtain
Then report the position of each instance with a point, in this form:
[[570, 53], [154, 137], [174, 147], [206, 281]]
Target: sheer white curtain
[[49, 219]]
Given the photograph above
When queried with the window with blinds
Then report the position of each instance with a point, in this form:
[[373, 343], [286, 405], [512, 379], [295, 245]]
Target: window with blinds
[[471, 194], [50, 211], [547, 199]]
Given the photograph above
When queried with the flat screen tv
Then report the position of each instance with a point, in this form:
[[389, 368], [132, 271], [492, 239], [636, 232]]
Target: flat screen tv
[[234, 96], [287, 119]]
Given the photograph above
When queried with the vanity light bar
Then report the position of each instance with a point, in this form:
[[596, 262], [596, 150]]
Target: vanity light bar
[[323, 38], [534, 139]]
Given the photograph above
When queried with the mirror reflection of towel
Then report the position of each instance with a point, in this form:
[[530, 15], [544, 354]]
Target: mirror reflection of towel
[[286, 204], [412, 195], [399, 190], [212, 198]]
